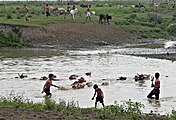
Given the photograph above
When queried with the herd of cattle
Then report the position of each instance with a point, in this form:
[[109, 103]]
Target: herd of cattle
[[80, 82], [103, 18]]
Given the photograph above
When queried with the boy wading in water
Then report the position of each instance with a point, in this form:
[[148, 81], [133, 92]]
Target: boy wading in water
[[156, 85], [48, 84], [99, 97]]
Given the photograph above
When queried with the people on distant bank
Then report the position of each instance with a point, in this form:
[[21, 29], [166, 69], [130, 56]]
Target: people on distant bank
[[26, 12], [88, 14], [47, 10]]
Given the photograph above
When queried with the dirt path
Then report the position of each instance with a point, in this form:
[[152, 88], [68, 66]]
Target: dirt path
[[20, 114]]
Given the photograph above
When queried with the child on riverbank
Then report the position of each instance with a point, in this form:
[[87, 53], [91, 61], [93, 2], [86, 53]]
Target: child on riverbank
[[100, 95]]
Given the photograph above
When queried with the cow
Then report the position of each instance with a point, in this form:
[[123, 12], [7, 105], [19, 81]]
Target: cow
[[63, 12], [104, 18], [73, 13], [85, 6]]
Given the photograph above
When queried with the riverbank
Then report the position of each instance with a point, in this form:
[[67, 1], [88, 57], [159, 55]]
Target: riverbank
[[74, 35], [19, 109], [66, 36]]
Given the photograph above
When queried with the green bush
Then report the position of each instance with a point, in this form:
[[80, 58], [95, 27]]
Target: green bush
[[131, 18], [153, 17], [18, 17], [173, 115], [174, 15], [9, 16], [172, 29], [12, 38], [2, 15]]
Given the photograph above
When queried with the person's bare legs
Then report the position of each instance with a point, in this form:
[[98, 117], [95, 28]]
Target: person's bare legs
[[103, 104], [95, 104]]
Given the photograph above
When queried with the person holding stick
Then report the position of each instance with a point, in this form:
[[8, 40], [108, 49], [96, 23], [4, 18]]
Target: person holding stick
[[48, 84], [156, 85]]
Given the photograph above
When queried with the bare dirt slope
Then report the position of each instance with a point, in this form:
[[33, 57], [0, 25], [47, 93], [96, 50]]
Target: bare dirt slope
[[86, 35], [75, 35]]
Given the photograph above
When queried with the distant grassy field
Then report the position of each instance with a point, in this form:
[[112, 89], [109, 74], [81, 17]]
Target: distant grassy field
[[150, 22]]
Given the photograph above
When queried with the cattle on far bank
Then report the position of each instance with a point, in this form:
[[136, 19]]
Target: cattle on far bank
[[85, 6], [62, 11], [104, 18], [138, 6]]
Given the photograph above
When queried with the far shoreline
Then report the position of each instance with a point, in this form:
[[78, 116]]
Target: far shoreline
[[77, 36]]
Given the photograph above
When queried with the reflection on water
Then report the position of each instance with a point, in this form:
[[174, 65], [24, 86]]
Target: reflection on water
[[103, 65]]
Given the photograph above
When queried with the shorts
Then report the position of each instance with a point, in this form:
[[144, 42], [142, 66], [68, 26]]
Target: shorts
[[68, 11], [47, 91], [155, 92], [99, 98], [26, 15], [88, 14], [47, 14]]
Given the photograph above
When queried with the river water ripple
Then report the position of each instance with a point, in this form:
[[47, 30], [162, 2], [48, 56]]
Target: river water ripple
[[104, 64]]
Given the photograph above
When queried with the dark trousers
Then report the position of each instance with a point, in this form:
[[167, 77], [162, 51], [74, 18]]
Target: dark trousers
[[47, 91], [155, 92], [47, 14]]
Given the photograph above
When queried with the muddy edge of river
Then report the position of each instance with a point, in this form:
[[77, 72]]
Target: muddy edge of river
[[75, 36]]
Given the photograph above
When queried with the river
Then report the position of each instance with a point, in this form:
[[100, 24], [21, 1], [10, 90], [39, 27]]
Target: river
[[105, 63]]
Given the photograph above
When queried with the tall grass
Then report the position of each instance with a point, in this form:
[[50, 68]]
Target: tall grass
[[70, 110], [12, 39]]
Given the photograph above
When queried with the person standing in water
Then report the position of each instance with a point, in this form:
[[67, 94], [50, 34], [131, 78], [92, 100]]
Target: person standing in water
[[100, 95], [156, 85], [48, 84]]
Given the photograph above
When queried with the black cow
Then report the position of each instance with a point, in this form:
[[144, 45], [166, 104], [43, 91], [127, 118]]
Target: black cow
[[85, 6], [139, 6], [104, 18]]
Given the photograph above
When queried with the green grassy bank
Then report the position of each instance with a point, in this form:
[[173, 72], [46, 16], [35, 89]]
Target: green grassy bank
[[71, 110], [148, 22]]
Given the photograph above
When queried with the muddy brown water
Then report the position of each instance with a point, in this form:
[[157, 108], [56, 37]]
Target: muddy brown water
[[106, 63]]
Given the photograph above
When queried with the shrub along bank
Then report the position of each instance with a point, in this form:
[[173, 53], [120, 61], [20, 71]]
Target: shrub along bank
[[70, 110]]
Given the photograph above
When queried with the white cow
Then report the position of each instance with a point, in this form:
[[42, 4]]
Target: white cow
[[73, 12]]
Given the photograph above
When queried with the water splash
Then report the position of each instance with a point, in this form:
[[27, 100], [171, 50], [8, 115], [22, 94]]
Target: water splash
[[170, 44]]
